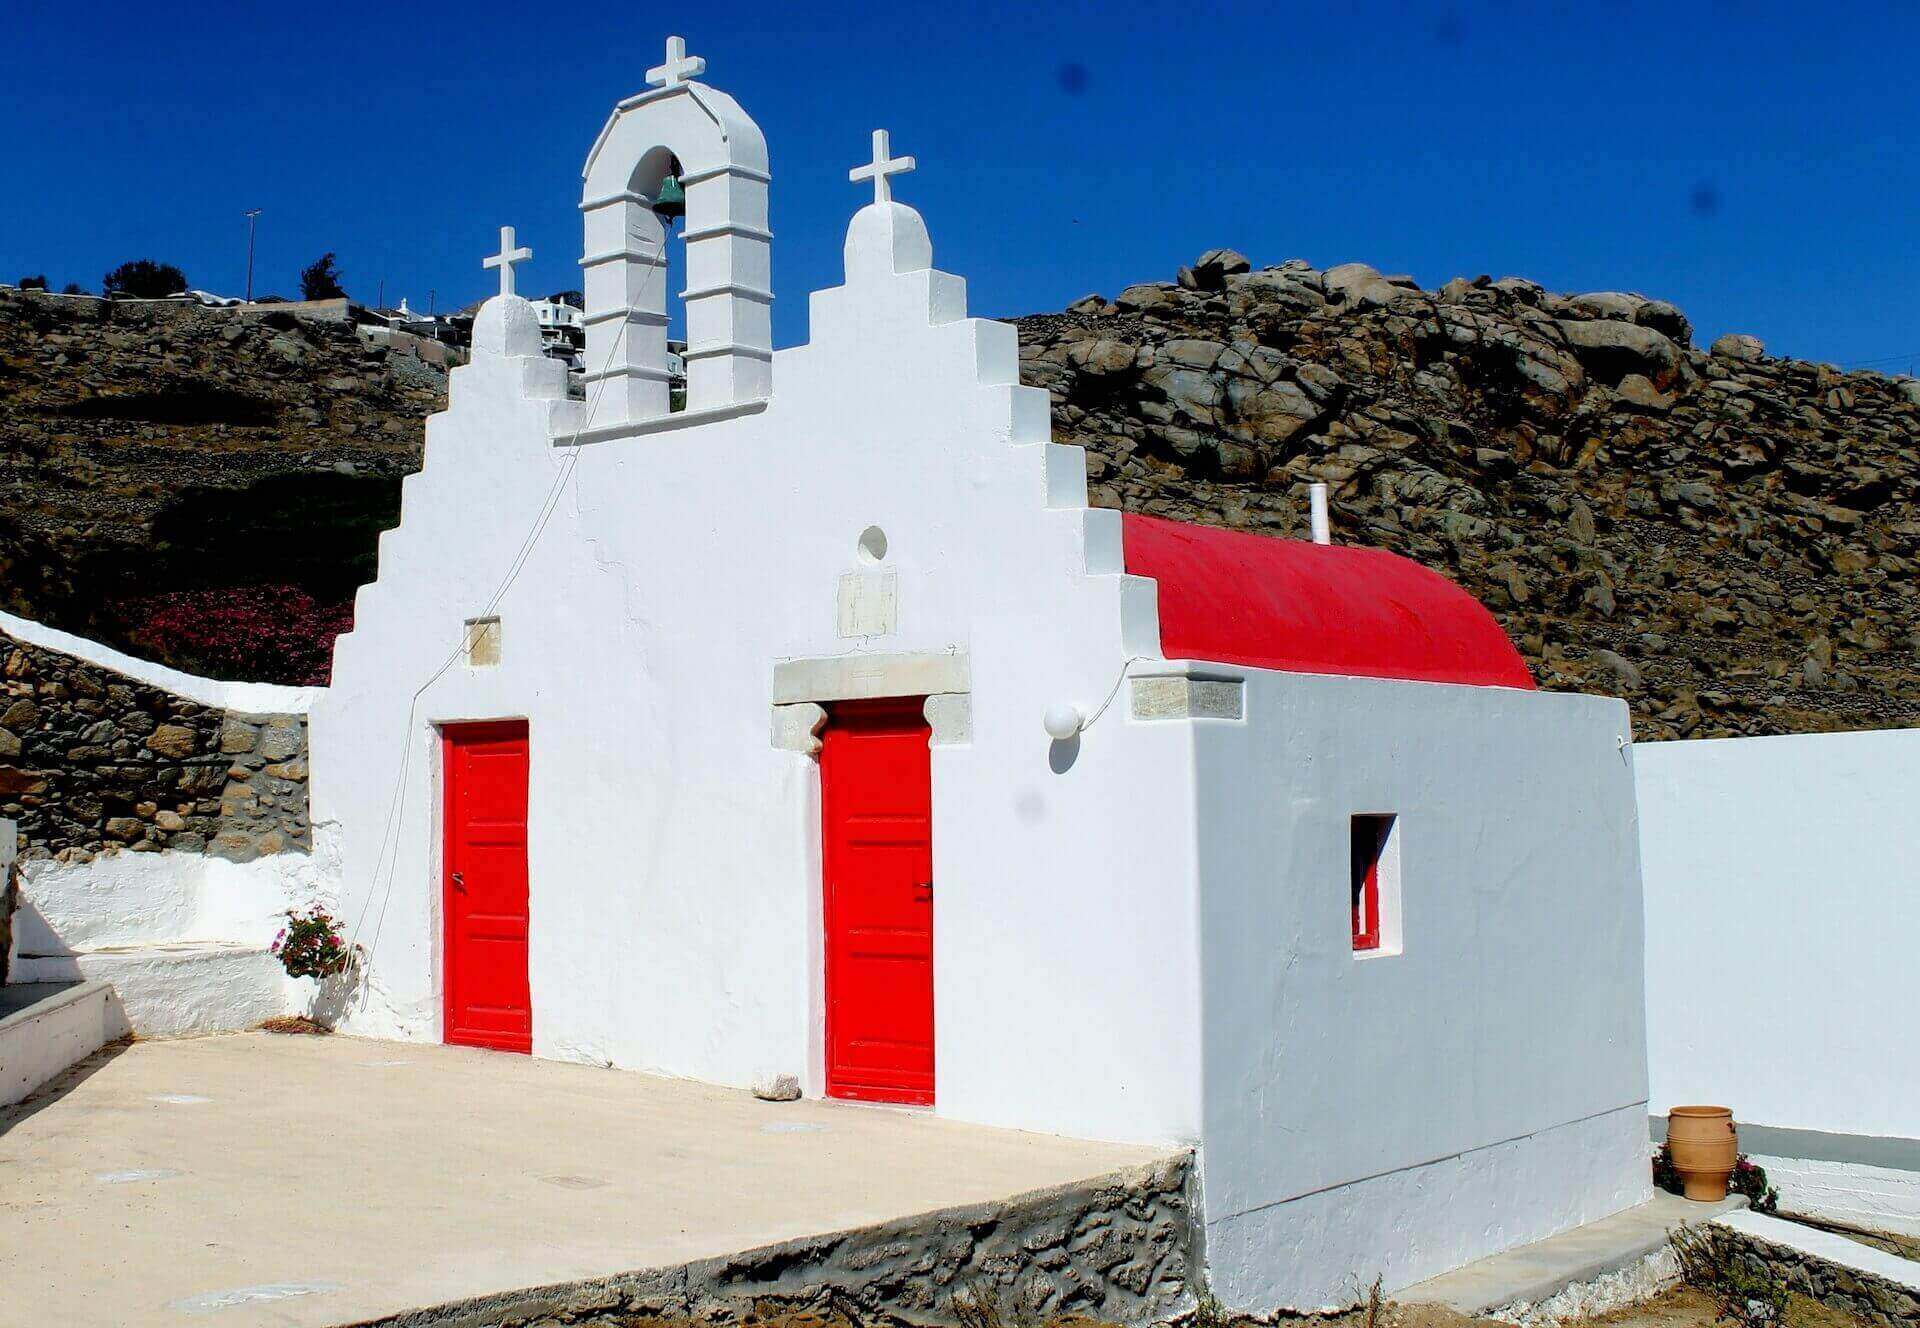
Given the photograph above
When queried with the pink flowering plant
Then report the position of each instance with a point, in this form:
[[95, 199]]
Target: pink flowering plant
[[311, 945]]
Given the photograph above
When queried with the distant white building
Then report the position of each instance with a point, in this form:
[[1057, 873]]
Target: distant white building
[[563, 326]]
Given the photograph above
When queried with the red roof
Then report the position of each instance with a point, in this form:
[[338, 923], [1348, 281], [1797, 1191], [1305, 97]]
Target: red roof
[[1237, 598]]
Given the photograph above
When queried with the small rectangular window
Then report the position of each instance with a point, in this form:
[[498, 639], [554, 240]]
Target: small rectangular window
[[1374, 883]]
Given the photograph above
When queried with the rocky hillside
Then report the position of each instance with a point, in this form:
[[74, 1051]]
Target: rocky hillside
[[1726, 538], [158, 449]]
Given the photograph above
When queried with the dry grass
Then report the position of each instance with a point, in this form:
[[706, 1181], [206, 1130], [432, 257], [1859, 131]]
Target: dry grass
[[1689, 1307], [293, 1023]]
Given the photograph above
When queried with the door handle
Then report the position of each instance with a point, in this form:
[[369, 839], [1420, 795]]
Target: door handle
[[459, 881], [926, 886]]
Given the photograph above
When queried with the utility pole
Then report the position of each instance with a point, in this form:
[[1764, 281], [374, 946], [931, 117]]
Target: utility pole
[[382, 302], [252, 218], [430, 294]]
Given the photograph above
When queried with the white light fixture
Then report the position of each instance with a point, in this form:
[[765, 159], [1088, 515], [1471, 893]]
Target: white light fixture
[[1063, 720]]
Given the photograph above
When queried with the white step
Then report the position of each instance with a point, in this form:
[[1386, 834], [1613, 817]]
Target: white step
[[47, 1028], [176, 988]]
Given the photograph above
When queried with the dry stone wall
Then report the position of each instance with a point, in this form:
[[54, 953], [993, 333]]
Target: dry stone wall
[[1117, 1249], [1854, 1291], [95, 762], [9, 891]]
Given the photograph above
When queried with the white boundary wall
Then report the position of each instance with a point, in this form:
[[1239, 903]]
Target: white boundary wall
[[183, 937], [253, 698], [1783, 905]]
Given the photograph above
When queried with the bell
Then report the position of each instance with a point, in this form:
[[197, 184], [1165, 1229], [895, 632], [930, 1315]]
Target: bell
[[671, 200]]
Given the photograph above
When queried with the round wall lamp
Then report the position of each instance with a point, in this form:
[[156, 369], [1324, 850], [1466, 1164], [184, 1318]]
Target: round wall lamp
[[1063, 719]]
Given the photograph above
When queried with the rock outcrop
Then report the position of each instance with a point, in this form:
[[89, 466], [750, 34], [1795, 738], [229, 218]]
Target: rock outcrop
[[1727, 539], [150, 447]]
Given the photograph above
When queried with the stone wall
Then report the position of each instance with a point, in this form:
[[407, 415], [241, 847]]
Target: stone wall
[[9, 844], [92, 761], [1853, 1290], [1116, 1250]]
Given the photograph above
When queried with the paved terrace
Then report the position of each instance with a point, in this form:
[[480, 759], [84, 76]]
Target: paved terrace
[[266, 1179]]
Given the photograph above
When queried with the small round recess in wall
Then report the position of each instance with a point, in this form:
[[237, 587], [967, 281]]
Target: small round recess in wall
[[873, 545]]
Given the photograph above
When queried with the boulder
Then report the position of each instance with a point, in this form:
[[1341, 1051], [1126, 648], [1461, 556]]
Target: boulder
[[1101, 356], [1739, 346], [1616, 349], [1357, 283], [1667, 320], [1147, 296], [1618, 305]]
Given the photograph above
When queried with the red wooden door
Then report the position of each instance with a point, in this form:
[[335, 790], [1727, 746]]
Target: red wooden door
[[877, 803], [488, 1003]]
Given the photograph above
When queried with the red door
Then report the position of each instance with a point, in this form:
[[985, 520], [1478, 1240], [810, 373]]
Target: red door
[[877, 800], [488, 1003]]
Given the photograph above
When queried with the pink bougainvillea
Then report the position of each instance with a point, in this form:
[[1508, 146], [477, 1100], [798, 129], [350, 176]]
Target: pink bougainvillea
[[311, 945], [251, 633]]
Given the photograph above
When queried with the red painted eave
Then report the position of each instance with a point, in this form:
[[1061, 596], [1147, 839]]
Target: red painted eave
[[1236, 598]]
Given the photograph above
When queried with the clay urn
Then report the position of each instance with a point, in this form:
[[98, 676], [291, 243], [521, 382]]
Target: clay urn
[[1704, 1146]]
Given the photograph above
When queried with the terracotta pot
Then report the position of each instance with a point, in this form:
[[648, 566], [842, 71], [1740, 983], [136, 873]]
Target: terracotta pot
[[1705, 1146]]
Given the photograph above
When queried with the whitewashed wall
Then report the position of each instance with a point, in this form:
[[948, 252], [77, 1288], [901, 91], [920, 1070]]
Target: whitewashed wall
[[1400, 1114], [673, 849], [1783, 907]]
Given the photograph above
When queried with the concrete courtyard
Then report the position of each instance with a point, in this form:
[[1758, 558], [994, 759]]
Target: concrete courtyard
[[262, 1179]]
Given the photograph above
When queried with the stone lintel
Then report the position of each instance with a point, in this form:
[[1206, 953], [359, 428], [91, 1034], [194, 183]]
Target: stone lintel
[[1161, 696], [862, 677]]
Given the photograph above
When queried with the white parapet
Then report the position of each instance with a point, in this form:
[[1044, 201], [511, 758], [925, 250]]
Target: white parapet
[[55, 1028]]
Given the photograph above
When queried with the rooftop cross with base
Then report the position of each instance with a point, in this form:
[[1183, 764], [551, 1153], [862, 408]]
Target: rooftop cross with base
[[506, 258], [679, 66], [883, 165]]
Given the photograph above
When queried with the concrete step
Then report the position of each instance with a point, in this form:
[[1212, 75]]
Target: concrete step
[[176, 988], [46, 1027], [1612, 1247]]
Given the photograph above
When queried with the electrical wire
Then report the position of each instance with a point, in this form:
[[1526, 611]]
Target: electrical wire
[[388, 858]]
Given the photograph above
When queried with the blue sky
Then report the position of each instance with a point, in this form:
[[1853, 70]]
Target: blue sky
[[1753, 163]]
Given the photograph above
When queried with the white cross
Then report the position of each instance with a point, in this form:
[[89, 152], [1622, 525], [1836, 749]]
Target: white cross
[[506, 258], [884, 164], [679, 66]]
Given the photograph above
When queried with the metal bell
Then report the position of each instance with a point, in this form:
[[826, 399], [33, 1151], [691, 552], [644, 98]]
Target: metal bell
[[671, 200]]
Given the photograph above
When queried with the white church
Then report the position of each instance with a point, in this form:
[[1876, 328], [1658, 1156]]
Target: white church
[[819, 728]]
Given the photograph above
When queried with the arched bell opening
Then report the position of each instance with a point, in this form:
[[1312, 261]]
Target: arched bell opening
[[659, 180], [675, 202]]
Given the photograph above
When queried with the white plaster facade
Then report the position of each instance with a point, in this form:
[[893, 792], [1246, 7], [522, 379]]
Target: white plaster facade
[[1782, 901], [1140, 933]]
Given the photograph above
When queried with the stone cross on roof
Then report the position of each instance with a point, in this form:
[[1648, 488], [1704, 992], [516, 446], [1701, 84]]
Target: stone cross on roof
[[506, 258], [679, 66], [883, 165]]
